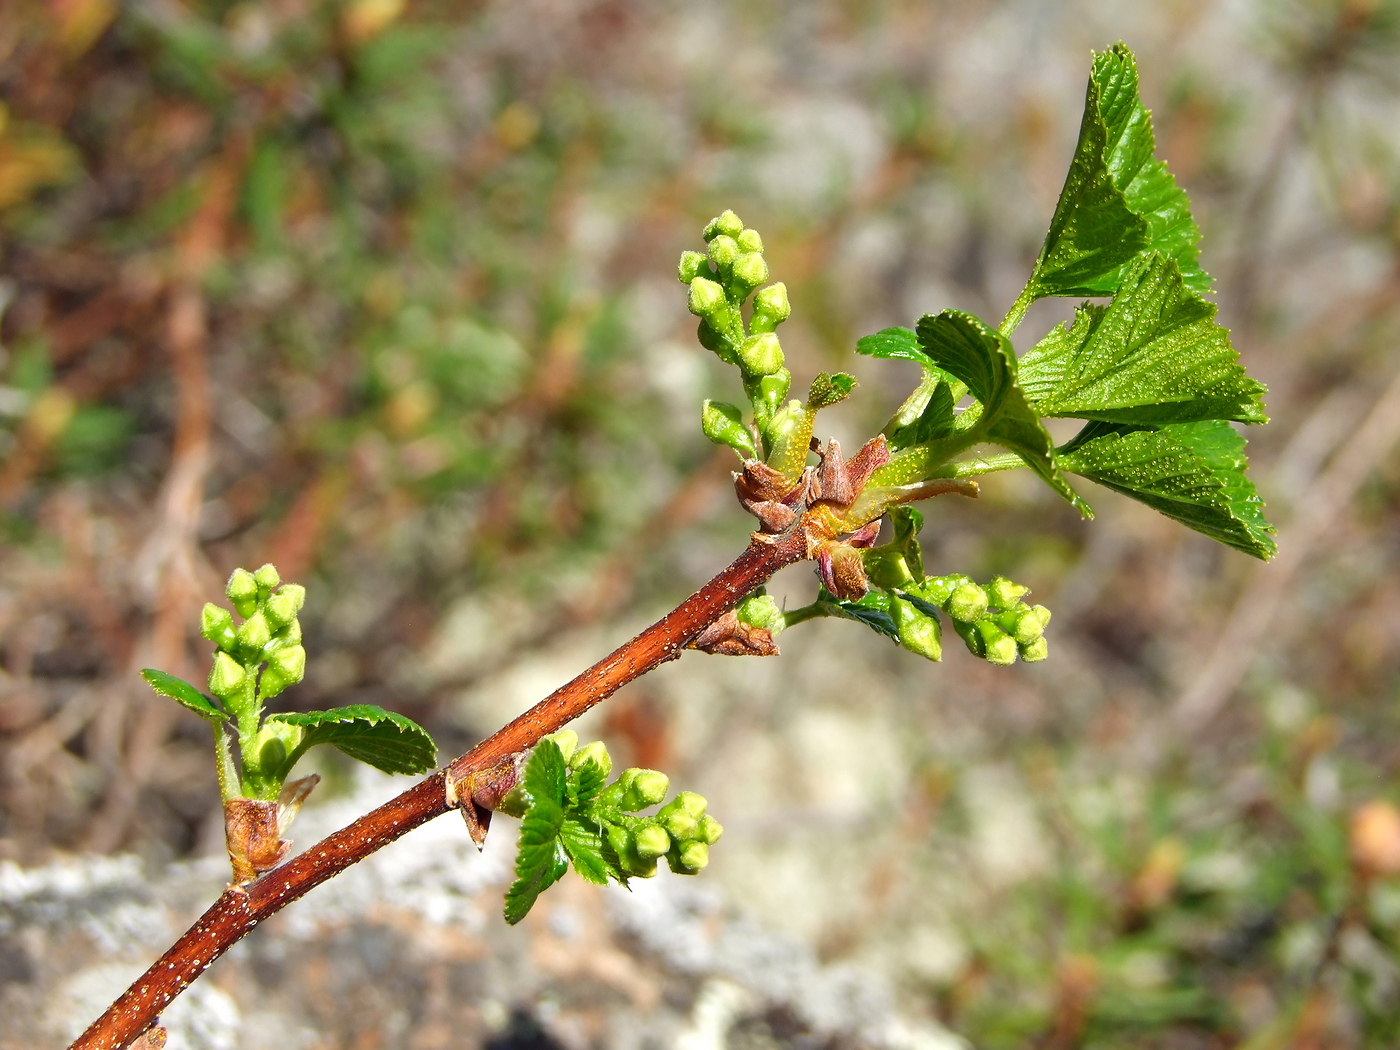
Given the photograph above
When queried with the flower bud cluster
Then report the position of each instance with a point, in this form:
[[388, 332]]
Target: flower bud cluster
[[993, 621], [270, 632], [681, 831], [721, 280]]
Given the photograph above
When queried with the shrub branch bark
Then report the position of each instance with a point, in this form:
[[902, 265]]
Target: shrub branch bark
[[239, 909]]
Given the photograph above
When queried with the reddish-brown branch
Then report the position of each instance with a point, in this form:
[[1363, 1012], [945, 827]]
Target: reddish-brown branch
[[238, 910]]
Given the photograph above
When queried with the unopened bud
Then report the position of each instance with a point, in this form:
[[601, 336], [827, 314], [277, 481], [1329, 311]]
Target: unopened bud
[[724, 425], [1003, 594], [723, 251], [651, 841], [216, 624], [242, 590], [1035, 651], [692, 265], [706, 298], [597, 752], [967, 602], [759, 610], [1025, 623], [692, 857], [749, 240], [254, 632], [280, 609], [998, 647], [226, 677], [767, 394], [726, 223], [770, 308], [709, 830], [643, 788], [284, 668], [566, 740], [267, 578], [682, 814], [760, 355], [749, 271], [296, 592], [917, 632], [841, 569]]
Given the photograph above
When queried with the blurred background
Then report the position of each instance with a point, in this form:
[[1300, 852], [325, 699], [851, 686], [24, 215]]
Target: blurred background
[[383, 291]]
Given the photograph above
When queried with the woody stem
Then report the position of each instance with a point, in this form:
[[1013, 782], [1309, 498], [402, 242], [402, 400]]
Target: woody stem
[[239, 909]]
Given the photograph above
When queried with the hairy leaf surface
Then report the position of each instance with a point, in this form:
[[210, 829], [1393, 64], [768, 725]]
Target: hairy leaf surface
[[1154, 355], [180, 690], [386, 740], [1192, 472]]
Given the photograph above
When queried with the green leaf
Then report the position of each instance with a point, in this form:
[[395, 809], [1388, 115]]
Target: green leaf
[[1154, 355], [896, 343], [828, 390], [1118, 200], [540, 860], [179, 689], [546, 773], [872, 610], [981, 357], [383, 739], [584, 847], [1191, 472], [585, 783]]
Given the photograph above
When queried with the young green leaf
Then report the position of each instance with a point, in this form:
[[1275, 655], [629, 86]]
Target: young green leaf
[[584, 847], [540, 860], [827, 390], [873, 610], [1191, 472], [981, 357], [1154, 355], [1118, 200], [894, 343], [383, 739], [181, 690]]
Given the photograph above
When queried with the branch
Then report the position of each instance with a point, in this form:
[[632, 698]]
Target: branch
[[239, 909]]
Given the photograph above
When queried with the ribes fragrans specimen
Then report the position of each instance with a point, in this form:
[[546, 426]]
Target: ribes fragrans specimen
[[1146, 367]]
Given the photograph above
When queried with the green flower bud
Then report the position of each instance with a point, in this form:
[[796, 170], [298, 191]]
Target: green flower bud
[[724, 425], [254, 632], [749, 271], [1002, 593], [280, 609], [709, 830], [226, 677], [749, 240], [643, 788], [770, 308], [242, 590], [285, 667], [692, 265], [1035, 651], [761, 355], [760, 610], [515, 802], [216, 624], [296, 592], [690, 858], [682, 814], [767, 395], [726, 223], [706, 299], [887, 567], [917, 632], [723, 251], [936, 590], [566, 739], [267, 578], [967, 603], [597, 752], [633, 863], [1024, 623], [651, 841], [998, 647], [289, 635]]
